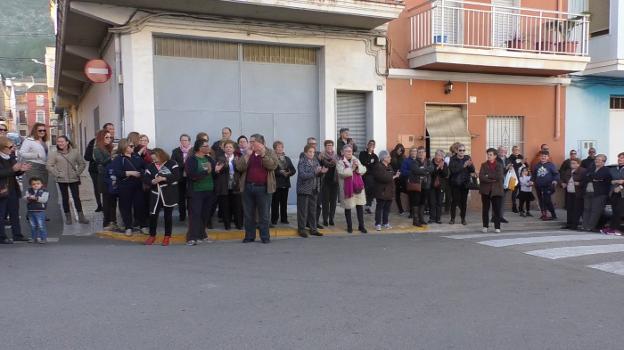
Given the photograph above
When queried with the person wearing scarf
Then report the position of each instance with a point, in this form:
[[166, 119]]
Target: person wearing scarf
[[349, 167], [285, 170], [180, 155], [329, 183], [491, 178]]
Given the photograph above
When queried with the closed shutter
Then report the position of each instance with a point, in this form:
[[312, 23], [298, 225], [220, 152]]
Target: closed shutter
[[351, 114], [445, 126], [505, 131], [451, 31], [504, 22]]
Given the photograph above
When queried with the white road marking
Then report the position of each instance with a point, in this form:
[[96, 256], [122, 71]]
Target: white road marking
[[545, 239], [570, 252], [485, 235], [616, 267]]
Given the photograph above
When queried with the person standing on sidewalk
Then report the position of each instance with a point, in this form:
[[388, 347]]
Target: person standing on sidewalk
[[200, 168], [384, 176], [36, 203], [180, 155], [34, 150], [129, 170], [397, 156], [517, 161], [93, 166], [66, 165], [507, 165], [352, 192], [597, 188], [102, 156], [566, 163], [308, 187], [439, 176], [10, 192], [617, 197], [227, 187], [571, 182], [546, 177], [491, 177], [590, 162], [343, 140], [162, 176], [285, 170], [461, 169], [257, 184], [329, 183], [369, 159], [420, 173]]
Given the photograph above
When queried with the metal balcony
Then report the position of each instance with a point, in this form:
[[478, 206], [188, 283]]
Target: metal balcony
[[472, 36]]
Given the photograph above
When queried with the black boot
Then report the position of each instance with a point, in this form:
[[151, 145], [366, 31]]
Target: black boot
[[421, 215], [349, 221], [360, 217], [415, 218]]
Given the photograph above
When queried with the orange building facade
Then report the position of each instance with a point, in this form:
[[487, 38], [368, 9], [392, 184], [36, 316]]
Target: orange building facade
[[487, 74]]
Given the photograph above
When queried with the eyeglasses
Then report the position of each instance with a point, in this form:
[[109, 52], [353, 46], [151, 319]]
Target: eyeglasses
[[205, 145], [4, 130], [462, 150], [108, 137], [42, 130]]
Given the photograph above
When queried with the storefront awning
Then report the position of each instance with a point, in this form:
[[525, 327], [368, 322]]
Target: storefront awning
[[445, 126]]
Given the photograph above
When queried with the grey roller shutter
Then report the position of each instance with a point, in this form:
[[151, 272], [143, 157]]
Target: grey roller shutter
[[447, 125], [351, 113]]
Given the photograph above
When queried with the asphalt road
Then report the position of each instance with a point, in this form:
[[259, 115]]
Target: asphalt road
[[361, 292]]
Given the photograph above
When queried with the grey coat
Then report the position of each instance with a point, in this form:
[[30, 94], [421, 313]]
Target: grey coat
[[308, 181], [66, 167]]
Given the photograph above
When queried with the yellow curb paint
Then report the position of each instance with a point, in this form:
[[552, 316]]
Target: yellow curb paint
[[233, 235]]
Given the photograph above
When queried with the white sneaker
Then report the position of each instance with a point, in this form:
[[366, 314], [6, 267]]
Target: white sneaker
[[497, 230], [191, 243], [378, 227], [43, 241], [387, 226], [484, 230], [38, 240], [128, 232]]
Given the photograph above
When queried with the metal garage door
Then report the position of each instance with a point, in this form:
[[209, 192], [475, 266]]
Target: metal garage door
[[206, 85], [351, 113]]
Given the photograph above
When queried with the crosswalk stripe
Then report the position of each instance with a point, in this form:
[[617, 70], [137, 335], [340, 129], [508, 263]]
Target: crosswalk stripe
[[485, 235], [545, 239], [570, 252], [616, 267]]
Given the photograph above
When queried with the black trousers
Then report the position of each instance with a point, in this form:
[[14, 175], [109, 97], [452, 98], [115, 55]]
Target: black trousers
[[200, 207], [488, 201], [153, 222], [418, 198], [398, 189], [182, 198], [435, 204], [574, 209], [459, 198], [382, 211], [231, 204], [65, 188], [369, 188], [514, 197], [329, 194], [279, 205], [617, 204], [109, 204], [96, 188], [131, 204]]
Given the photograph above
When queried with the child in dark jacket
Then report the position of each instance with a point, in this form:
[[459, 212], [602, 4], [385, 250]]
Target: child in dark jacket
[[37, 202], [545, 178]]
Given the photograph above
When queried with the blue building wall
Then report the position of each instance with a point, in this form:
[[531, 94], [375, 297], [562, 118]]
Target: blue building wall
[[587, 111]]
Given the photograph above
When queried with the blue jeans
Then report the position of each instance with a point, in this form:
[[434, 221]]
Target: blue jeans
[[37, 220], [256, 198]]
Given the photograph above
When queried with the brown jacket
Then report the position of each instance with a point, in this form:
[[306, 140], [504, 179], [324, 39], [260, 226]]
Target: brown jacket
[[491, 182], [384, 182], [269, 162], [579, 175]]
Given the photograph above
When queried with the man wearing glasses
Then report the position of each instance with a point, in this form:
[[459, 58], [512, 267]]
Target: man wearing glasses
[[589, 163], [565, 166]]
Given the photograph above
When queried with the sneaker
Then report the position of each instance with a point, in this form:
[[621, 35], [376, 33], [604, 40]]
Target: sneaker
[[43, 241], [522, 214], [165, 241], [497, 230], [128, 232], [38, 240], [387, 226], [606, 231], [191, 243], [528, 213], [484, 230], [368, 210], [378, 227]]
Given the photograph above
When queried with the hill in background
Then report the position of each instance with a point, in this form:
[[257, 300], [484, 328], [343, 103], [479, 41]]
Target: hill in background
[[25, 30]]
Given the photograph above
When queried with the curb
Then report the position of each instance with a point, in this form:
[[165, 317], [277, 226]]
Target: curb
[[238, 235]]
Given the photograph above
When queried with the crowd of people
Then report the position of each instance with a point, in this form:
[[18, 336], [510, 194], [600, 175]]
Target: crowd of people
[[246, 183]]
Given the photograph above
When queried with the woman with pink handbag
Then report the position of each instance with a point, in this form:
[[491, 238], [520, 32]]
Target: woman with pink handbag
[[352, 193]]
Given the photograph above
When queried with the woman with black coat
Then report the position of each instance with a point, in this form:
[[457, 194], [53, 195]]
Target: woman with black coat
[[397, 155], [129, 169], [285, 170], [179, 155], [461, 169], [369, 159], [491, 178], [436, 194], [420, 172], [162, 176], [200, 169], [10, 190], [227, 187], [384, 176]]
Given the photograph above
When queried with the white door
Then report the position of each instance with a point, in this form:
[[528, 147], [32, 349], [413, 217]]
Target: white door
[[616, 141]]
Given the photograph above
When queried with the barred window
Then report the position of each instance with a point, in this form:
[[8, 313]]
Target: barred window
[[505, 131], [617, 102]]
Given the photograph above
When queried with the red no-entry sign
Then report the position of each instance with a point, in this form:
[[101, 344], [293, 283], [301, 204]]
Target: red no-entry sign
[[97, 71]]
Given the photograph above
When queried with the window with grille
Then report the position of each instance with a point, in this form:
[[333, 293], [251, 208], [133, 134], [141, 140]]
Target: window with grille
[[617, 102], [505, 131], [22, 117], [195, 48]]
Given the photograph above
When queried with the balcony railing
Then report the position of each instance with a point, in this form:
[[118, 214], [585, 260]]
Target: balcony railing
[[487, 26]]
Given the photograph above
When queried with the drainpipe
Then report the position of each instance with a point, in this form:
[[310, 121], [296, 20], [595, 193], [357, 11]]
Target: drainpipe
[[119, 78], [557, 112]]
